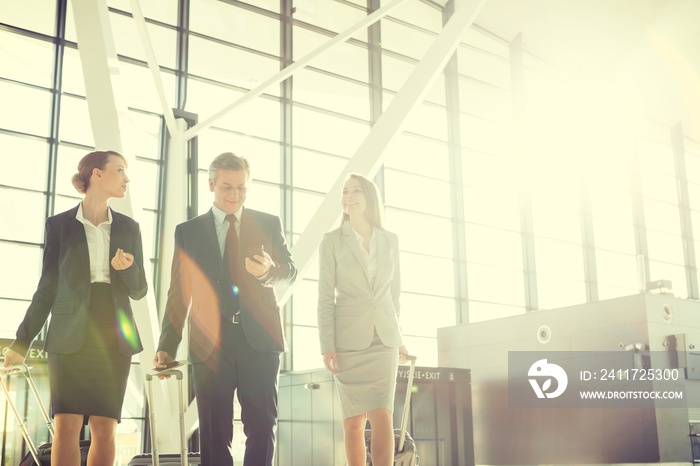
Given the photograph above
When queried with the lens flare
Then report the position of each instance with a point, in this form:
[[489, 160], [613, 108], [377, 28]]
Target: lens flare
[[234, 290], [127, 328]]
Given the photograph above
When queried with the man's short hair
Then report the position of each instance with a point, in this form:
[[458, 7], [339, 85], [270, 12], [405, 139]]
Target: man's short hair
[[228, 161]]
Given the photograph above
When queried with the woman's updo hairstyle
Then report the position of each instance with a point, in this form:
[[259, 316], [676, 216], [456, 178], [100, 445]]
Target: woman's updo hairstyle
[[96, 159]]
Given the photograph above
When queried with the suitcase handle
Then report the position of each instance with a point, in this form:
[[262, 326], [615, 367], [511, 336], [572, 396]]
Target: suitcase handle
[[177, 371], [24, 370], [407, 403]]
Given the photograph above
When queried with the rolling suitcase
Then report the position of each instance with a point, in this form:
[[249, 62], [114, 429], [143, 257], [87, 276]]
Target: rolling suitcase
[[405, 452], [44, 453], [37, 456], [169, 459]]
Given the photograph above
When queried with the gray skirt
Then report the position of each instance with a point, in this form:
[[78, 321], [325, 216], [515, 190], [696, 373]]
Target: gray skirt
[[366, 379]]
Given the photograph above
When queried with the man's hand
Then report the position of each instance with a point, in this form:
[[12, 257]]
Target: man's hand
[[260, 266], [159, 362]]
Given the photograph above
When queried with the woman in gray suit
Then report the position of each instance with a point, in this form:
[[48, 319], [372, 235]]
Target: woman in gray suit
[[93, 265], [358, 310]]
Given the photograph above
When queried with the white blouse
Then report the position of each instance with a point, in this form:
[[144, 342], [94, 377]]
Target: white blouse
[[371, 256], [98, 245]]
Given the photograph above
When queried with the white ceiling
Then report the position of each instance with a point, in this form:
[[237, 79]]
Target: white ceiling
[[649, 46]]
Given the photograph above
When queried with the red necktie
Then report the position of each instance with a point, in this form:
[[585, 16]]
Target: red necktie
[[231, 248], [231, 289]]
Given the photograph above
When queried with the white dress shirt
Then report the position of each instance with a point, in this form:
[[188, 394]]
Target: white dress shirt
[[371, 256], [98, 245]]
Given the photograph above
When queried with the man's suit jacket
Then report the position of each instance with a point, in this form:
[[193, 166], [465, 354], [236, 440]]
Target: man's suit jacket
[[197, 274], [64, 287], [349, 306]]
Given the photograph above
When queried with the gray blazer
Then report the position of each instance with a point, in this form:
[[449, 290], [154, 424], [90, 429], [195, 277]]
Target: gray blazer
[[349, 306]]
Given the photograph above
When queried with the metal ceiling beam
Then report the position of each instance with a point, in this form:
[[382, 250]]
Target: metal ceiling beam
[[370, 155], [109, 118], [140, 23], [288, 71]]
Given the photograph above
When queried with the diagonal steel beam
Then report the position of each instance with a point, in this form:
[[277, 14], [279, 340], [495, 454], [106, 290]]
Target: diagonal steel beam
[[288, 71], [370, 155], [110, 122], [140, 22]]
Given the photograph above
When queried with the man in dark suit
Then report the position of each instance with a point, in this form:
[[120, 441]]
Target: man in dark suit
[[225, 264]]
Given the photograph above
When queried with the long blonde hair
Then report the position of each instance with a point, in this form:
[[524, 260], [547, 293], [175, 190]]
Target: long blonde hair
[[373, 212]]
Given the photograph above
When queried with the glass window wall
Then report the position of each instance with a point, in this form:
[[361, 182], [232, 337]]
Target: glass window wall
[[567, 175]]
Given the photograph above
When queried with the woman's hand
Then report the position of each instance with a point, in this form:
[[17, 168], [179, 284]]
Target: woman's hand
[[403, 355], [122, 260], [11, 358], [331, 362]]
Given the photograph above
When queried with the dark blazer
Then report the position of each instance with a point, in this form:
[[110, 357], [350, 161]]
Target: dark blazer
[[64, 287], [196, 277]]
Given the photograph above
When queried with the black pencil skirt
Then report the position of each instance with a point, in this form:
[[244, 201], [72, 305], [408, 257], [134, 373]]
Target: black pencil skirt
[[92, 381]]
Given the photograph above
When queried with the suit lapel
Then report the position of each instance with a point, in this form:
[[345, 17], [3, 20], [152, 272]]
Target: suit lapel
[[115, 234], [382, 245], [250, 235], [247, 224], [210, 243], [210, 231], [351, 241], [79, 240]]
